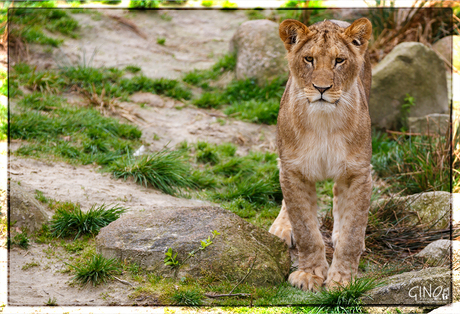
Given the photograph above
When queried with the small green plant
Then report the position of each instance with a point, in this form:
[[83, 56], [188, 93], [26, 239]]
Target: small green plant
[[171, 256], [409, 102], [74, 222], [96, 270], [161, 41], [171, 259], [51, 302]]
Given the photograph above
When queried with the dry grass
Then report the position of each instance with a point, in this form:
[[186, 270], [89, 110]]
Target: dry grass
[[424, 22]]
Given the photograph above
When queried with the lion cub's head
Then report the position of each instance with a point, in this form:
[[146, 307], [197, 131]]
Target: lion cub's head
[[325, 59]]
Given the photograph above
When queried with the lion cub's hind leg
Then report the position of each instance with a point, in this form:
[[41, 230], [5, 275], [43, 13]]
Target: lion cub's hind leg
[[282, 228]]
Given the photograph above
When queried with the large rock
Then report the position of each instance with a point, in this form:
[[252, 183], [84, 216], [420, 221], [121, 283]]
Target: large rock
[[259, 50], [431, 286], [410, 68], [25, 210], [144, 237], [422, 208], [449, 49]]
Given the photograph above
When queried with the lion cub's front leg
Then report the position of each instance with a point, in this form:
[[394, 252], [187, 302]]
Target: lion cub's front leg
[[300, 200], [352, 201]]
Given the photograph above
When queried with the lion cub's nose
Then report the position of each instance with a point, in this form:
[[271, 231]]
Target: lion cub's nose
[[321, 89]]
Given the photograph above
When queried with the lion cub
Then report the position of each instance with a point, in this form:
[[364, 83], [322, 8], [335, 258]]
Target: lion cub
[[324, 131]]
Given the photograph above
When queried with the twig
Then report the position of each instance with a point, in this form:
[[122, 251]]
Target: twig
[[215, 296], [123, 281], [246, 276], [230, 294], [411, 134]]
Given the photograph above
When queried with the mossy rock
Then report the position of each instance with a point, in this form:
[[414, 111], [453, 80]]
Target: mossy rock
[[144, 237]]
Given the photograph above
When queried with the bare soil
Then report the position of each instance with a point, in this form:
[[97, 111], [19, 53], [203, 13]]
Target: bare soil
[[194, 39]]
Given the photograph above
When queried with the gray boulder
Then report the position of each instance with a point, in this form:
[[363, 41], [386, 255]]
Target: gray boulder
[[431, 286], [25, 210], [259, 50], [422, 208], [410, 68], [447, 48], [144, 237], [437, 252], [435, 123]]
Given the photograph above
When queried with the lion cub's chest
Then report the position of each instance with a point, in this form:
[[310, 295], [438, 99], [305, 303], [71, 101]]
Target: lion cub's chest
[[321, 156]]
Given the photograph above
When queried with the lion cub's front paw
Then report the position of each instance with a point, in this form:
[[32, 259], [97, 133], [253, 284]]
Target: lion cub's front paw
[[336, 278], [305, 281]]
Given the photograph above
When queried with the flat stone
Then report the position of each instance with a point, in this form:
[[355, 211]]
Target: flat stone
[[431, 286], [144, 237]]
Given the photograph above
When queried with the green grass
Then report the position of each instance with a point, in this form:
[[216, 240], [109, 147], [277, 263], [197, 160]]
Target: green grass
[[144, 4], [203, 78], [412, 164], [164, 170], [28, 24], [74, 222], [95, 271], [245, 99], [187, 298]]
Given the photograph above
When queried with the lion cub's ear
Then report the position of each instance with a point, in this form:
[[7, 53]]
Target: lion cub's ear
[[291, 31], [360, 32]]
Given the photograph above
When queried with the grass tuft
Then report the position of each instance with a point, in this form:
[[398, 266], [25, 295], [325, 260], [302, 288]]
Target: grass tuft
[[346, 299], [163, 170], [97, 270], [187, 297], [70, 221]]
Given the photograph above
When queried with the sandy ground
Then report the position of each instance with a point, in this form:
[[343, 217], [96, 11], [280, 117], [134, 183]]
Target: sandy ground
[[193, 40]]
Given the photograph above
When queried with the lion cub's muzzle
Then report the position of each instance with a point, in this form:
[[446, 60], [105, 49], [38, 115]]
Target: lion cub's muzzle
[[322, 95]]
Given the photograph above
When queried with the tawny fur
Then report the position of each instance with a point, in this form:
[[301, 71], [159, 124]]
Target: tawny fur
[[324, 131]]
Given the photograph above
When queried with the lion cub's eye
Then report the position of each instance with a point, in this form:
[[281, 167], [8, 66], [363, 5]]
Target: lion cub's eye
[[309, 59], [339, 60]]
